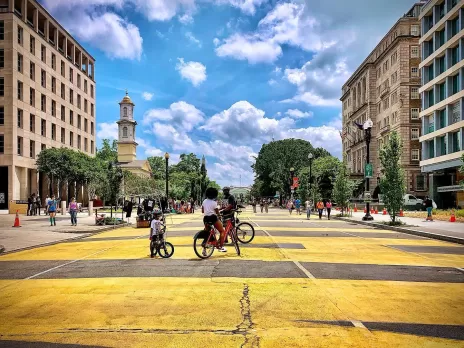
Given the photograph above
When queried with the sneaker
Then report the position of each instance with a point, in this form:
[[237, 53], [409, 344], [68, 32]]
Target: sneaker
[[222, 250], [204, 252]]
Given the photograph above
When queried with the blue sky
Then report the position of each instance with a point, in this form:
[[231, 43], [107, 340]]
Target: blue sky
[[222, 77]]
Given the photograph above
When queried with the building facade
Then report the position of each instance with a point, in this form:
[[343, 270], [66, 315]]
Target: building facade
[[47, 95], [385, 89], [442, 68]]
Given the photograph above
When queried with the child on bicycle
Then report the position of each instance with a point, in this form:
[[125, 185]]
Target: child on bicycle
[[156, 227], [210, 210]]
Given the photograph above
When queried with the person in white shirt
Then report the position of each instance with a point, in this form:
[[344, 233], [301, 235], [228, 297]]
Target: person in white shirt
[[210, 211], [156, 228], [308, 209]]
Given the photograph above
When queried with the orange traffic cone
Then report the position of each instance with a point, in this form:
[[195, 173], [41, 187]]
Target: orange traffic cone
[[355, 208], [452, 217], [384, 211], [16, 223], [372, 211], [376, 210], [401, 213]]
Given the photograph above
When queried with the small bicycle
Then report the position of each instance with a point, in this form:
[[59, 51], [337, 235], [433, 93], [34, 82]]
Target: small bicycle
[[158, 245]]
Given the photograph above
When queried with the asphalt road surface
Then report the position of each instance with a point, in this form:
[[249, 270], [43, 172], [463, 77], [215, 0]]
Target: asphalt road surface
[[300, 283]]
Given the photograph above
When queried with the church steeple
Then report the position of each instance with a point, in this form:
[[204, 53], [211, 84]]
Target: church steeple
[[127, 146]]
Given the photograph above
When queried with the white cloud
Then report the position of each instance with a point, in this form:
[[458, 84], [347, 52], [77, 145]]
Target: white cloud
[[193, 39], [181, 115], [160, 34], [147, 96], [163, 10], [177, 139], [107, 130], [272, 82], [195, 72], [246, 6], [186, 19], [216, 41], [295, 113]]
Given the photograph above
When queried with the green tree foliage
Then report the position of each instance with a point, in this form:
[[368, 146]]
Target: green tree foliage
[[274, 160], [392, 182], [158, 167], [343, 187], [108, 152]]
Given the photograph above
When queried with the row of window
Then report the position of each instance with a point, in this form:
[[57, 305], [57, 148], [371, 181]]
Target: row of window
[[43, 57], [20, 122], [32, 154]]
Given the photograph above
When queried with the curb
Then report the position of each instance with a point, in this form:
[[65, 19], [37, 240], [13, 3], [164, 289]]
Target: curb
[[87, 234], [431, 235]]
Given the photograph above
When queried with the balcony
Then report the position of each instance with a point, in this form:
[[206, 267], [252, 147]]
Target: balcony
[[385, 129], [384, 91]]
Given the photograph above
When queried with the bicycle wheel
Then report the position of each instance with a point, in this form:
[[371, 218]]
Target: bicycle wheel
[[245, 232], [233, 236], [203, 251], [165, 250], [153, 248]]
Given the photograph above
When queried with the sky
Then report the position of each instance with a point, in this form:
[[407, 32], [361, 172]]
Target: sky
[[220, 78]]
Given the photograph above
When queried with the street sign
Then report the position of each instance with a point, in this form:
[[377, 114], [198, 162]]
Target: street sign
[[368, 170]]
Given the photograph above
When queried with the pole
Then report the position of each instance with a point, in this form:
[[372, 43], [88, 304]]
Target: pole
[[368, 216], [311, 179], [167, 179]]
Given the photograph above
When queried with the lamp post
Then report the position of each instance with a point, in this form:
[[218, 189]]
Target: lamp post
[[292, 172], [166, 156], [367, 126], [310, 157]]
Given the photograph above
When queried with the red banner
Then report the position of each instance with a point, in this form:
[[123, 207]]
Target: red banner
[[295, 182]]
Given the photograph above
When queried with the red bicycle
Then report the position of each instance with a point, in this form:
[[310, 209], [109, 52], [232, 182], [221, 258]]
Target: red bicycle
[[205, 241]]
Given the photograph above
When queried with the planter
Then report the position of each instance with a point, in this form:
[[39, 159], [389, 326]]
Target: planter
[[143, 223]]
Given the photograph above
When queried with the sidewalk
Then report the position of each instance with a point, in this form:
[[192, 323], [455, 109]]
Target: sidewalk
[[36, 230], [442, 230]]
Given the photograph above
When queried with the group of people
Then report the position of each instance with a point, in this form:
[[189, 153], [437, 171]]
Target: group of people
[[34, 204], [320, 206], [184, 207], [263, 203]]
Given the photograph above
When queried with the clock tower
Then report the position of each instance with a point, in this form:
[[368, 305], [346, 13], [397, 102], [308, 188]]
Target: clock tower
[[126, 131]]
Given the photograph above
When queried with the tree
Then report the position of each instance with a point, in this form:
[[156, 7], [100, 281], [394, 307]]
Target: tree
[[108, 152], [392, 182], [158, 167], [343, 187]]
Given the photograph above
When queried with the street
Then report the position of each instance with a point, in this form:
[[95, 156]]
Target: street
[[300, 283]]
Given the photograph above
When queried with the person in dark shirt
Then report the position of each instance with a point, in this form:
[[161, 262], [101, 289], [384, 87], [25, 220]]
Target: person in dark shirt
[[429, 206]]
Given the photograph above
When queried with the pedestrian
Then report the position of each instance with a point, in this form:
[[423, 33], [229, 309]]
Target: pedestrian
[[73, 211], [298, 206], [290, 206], [253, 204], [38, 204], [266, 205], [129, 206], [308, 209], [320, 208], [261, 204], [52, 210], [429, 206], [328, 206], [47, 199], [192, 206], [29, 206]]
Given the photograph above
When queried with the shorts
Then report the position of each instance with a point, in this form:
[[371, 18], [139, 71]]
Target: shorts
[[211, 219]]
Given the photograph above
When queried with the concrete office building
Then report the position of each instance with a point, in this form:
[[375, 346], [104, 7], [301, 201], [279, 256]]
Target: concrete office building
[[385, 89], [47, 95], [442, 67]]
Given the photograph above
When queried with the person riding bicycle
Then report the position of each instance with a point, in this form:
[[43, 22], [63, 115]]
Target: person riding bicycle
[[210, 211], [156, 227], [228, 204]]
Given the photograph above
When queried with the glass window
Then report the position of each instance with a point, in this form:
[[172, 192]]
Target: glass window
[[62, 68], [43, 54], [2, 115], [414, 72], [124, 132], [43, 78], [414, 113], [20, 118], [43, 128], [2, 58], [53, 131], [2, 86], [20, 146], [456, 146], [2, 143], [415, 155], [414, 93], [32, 123], [414, 30], [53, 108], [20, 90], [78, 141], [420, 182], [63, 113], [455, 112], [414, 133], [53, 84], [63, 139], [71, 96], [455, 84], [71, 117], [79, 121], [20, 63], [71, 75], [91, 147], [32, 71], [71, 139], [2, 30], [43, 103], [32, 96], [32, 45], [20, 35], [31, 149], [53, 61], [414, 51]]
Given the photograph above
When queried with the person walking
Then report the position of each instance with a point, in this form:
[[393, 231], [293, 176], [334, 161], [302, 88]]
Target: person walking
[[38, 204], [253, 204], [73, 211], [429, 207], [298, 206], [29, 205], [290, 206], [320, 208], [47, 199], [328, 206], [261, 204], [308, 204], [266, 205], [52, 210]]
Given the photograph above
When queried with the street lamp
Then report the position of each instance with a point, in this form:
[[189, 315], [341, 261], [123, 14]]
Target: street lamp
[[310, 157], [367, 127], [166, 156]]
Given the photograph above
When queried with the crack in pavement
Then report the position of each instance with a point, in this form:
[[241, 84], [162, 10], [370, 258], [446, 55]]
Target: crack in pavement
[[246, 327]]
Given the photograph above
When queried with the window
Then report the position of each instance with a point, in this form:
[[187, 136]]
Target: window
[[455, 112], [415, 155], [32, 97], [53, 85], [394, 98], [20, 63], [2, 141], [124, 132], [394, 58], [78, 81], [125, 112], [20, 146], [2, 58], [20, 35], [420, 182], [85, 145], [32, 123], [31, 149], [20, 118], [32, 71], [414, 72], [455, 143], [85, 105], [53, 131], [43, 78], [53, 108], [43, 54], [2, 86], [91, 128], [20, 90], [386, 103], [2, 30], [91, 147], [414, 92], [414, 30], [63, 113], [79, 121], [91, 91], [91, 110], [62, 68], [71, 77], [71, 117], [43, 128], [78, 141], [63, 93], [455, 84], [63, 136], [71, 96], [414, 113], [85, 125], [85, 86], [2, 115], [414, 51], [414, 133], [32, 45], [78, 101], [71, 139], [43, 103], [43, 147], [454, 55]]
